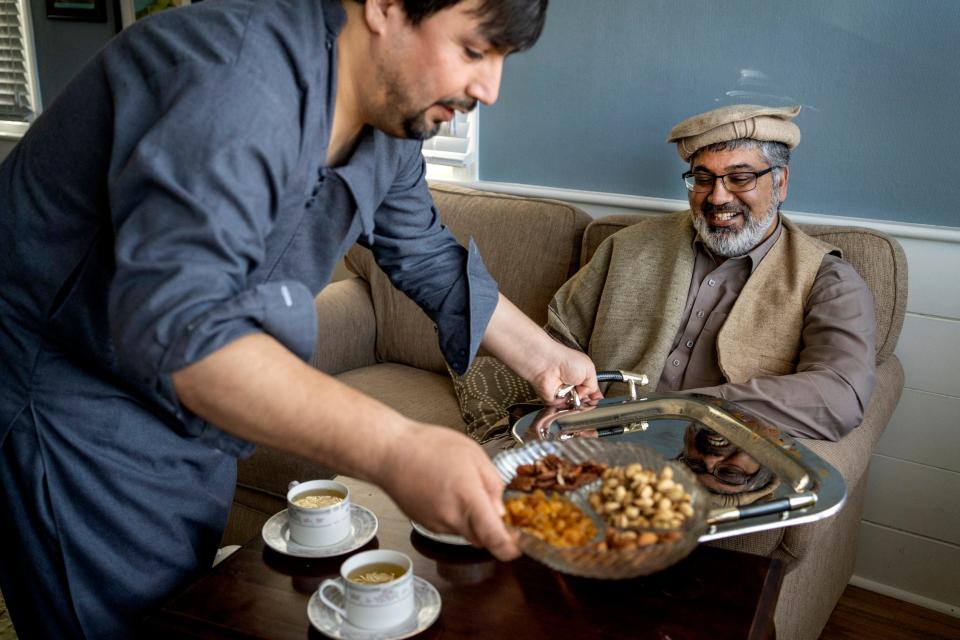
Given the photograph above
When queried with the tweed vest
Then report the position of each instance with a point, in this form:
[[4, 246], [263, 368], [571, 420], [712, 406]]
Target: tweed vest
[[625, 306]]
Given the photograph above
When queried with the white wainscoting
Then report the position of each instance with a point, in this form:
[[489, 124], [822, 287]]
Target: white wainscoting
[[934, 288], [908, 567], [921, 429], [929, 349], [914, 497], [909, 544]]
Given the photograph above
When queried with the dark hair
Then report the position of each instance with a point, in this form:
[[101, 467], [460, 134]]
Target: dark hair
[[509, 25]]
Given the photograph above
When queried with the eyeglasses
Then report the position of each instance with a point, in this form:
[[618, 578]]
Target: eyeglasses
[[725, 473], [736, 182]]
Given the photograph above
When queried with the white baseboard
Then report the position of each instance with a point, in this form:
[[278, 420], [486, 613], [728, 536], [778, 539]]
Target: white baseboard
[[906, 596]]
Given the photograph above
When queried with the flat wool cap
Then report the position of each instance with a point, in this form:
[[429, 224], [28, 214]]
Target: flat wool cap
[[733, 122]]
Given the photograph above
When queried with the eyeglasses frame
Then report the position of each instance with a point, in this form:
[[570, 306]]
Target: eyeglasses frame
[[700, 465], [722, 178]]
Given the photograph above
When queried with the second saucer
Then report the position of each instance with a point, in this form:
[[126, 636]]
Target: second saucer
[[363, 526]]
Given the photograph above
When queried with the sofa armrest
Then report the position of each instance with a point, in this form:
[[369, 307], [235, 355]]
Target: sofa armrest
[[851, 455], [346, 327]]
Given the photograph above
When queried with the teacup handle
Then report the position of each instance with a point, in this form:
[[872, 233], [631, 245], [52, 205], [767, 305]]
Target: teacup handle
[[323, 598], [292, 484]]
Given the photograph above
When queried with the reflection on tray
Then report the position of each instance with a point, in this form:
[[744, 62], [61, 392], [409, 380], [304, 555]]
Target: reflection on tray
[[728, 472], [738, 457]]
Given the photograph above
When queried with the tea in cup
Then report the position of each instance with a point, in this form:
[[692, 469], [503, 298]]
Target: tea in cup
[[377, 589], [318, 512]]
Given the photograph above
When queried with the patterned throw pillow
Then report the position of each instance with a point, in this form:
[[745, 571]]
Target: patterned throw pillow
[[485, 391]]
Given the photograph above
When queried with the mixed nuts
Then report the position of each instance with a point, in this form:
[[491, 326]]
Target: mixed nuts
[[639, 507]]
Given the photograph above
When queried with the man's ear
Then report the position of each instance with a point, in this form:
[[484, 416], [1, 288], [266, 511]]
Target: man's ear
[[784, 183], [378, 13]]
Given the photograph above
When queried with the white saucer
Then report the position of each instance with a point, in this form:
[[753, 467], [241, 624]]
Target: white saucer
[[363, 526], [445, 538], [332, 624]]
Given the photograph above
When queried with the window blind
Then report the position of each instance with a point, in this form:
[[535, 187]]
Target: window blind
[[18, 102], [455, 142]]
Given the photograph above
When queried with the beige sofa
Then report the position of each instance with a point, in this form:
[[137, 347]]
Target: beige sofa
[[375, 339]]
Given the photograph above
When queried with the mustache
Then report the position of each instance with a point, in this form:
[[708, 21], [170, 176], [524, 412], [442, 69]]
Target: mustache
[[454, 104], [709, 208]]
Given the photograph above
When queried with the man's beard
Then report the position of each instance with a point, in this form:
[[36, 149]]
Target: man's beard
[[418, 127], [728, 243], [414, 125]]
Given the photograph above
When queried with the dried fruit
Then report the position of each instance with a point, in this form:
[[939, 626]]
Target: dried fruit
[[553, 519], [553, 473]]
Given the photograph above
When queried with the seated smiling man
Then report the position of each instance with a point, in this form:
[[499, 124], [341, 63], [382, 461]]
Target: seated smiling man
[[730, 298]]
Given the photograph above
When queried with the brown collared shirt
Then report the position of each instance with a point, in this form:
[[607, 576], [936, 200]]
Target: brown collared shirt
[[826, 396]]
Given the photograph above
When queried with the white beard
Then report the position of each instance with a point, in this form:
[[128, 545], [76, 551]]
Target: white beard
[[729, 244]]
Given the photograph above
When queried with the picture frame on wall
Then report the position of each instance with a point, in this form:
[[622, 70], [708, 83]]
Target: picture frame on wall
[[80, 10], [133, 10]]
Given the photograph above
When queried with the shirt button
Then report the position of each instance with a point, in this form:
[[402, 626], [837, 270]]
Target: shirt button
[[700, 313], [676, 363], [689, 344], [711, 282], [329, 44]]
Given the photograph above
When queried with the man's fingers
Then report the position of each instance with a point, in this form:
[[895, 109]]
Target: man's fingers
[[586, 393], [487, 528], [484, 519]]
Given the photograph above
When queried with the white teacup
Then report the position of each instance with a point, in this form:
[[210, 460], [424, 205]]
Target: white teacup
[[373, 606], [318, 526]]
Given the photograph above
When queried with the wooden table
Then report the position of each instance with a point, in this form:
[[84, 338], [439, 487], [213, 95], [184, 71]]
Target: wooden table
[[256, 592]]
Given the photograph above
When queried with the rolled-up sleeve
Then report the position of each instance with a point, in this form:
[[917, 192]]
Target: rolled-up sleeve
[[192, 203], [423, 259]]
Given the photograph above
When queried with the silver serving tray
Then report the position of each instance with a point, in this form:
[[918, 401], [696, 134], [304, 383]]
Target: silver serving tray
[[809, 488]]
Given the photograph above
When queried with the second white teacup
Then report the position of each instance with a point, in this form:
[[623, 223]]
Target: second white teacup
[[318, 512], [377, 589]]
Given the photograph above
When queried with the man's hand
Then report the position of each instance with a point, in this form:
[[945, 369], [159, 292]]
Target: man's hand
[[548, 365], [565, 367], [444, 480], [259, 391]]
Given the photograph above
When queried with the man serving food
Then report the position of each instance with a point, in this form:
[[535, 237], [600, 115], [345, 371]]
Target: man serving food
[[165, 225]]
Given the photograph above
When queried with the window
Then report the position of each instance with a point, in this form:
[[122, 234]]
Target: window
[[452, 153], [19, 97]]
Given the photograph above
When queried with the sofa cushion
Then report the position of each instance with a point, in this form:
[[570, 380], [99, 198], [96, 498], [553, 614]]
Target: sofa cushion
[[270, 471], [878, 258], [418, 394], [485, 391], [531, 247], [415, 393]]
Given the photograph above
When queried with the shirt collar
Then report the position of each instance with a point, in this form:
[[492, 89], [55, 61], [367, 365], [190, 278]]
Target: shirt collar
[[359, 175], [358, 172], [761, 250], [334, 17]]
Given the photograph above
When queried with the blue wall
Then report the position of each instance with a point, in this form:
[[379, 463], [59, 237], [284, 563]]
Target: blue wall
[[591, 105]]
